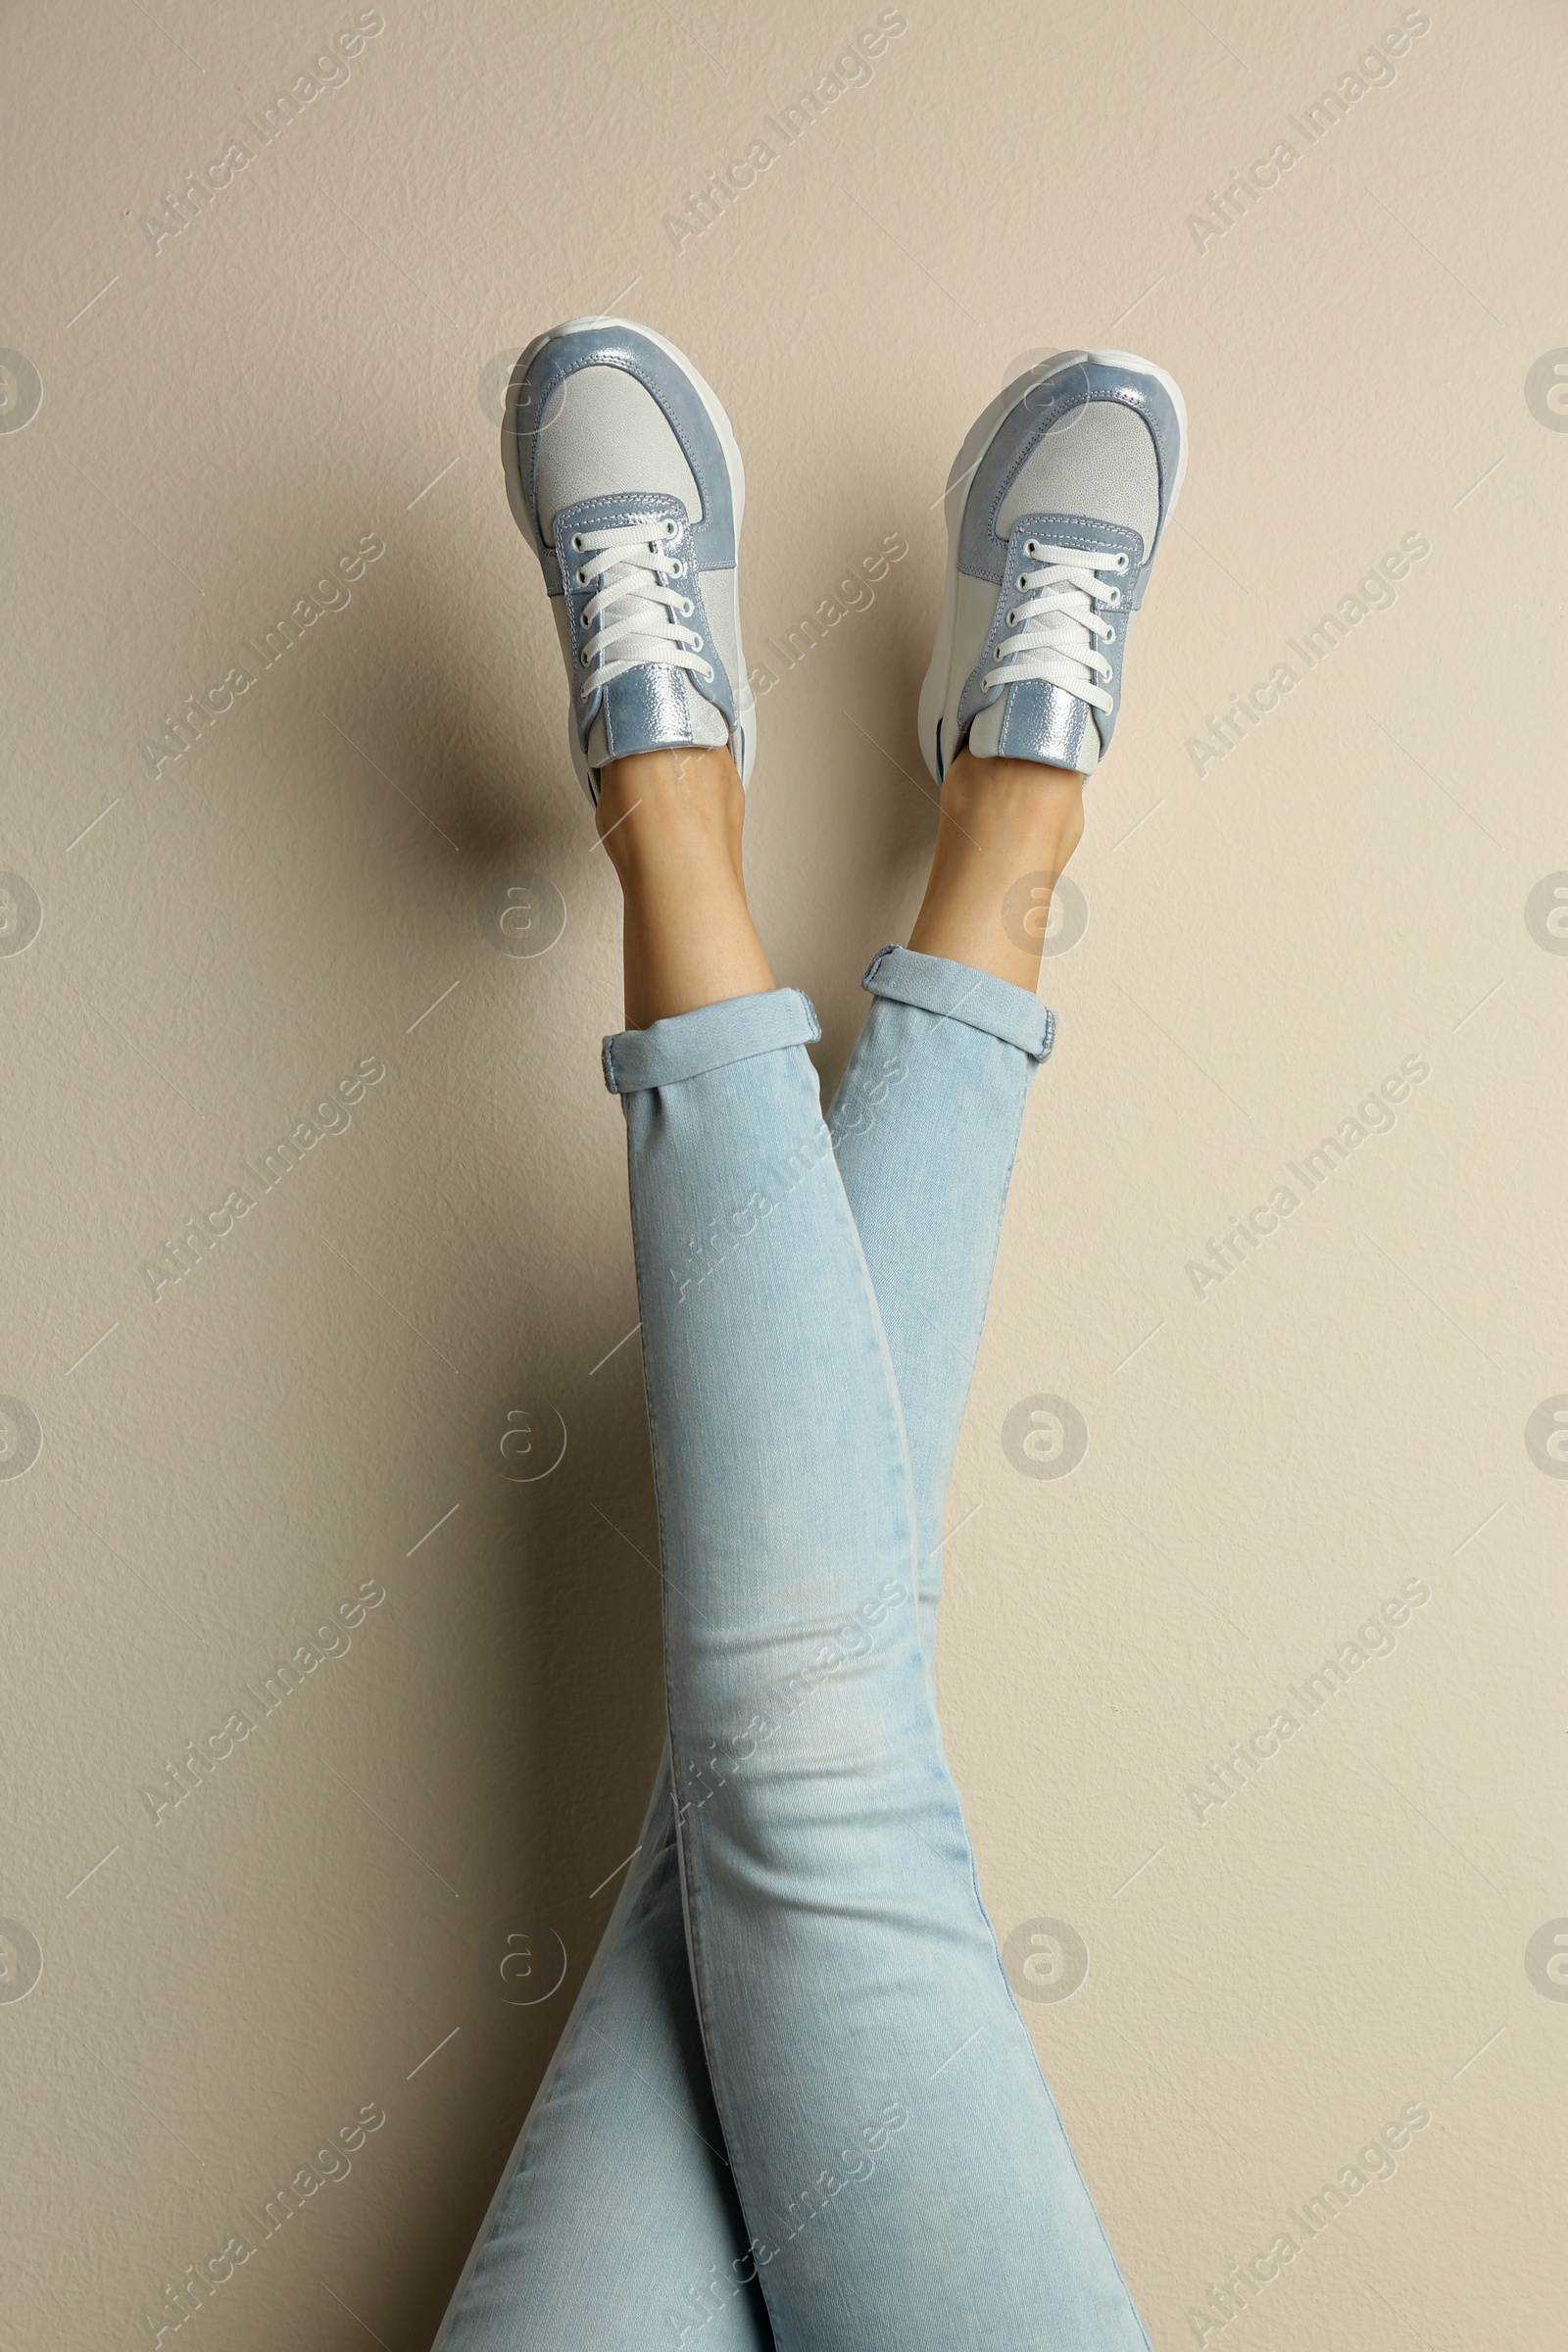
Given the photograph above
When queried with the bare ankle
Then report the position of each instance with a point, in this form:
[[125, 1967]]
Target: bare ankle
[[690, 781], [1006, 806], [1008, 829], [670, 824]]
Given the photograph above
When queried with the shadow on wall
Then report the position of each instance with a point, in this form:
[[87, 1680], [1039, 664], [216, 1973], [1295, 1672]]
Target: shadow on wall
[[538, 1720]]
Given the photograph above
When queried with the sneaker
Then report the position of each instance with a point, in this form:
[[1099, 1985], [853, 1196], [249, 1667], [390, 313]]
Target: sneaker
[[622, 470], [1055, 505]]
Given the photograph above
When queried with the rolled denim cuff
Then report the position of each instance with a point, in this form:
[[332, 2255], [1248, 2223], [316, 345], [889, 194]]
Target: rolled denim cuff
[[689, 1042], [956, 991]]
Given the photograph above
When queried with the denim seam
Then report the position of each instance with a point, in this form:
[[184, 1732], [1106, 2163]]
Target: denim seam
[[1072, 2154]]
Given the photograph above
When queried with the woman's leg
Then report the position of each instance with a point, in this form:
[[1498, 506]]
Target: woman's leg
[[924, 1127], [904, 2177], [926, 1117], [616, 2225]]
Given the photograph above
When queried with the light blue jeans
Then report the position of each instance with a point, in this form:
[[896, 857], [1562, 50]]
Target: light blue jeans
[[794, 2105]]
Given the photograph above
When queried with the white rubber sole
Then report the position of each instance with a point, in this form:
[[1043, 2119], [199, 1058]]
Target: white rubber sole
[[938, 680], [742, 745]]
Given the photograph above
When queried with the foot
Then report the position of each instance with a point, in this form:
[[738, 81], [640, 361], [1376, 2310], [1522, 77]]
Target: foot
[[1056, 506], [622, 470]]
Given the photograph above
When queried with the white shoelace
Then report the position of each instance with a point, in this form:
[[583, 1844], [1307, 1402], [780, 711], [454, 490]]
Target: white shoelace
[[1058, 631], [634, 601]]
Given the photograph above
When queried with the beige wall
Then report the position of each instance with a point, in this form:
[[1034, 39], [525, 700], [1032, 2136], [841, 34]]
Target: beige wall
[[308, 1423]]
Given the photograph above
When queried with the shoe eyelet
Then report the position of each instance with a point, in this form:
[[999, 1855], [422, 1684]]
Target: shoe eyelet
[[583, 657], [1013, 620], [1110, 636], [672, 528], [1031, 547], [1022, 583], [1121, 561], [576, 541], [697, 647]]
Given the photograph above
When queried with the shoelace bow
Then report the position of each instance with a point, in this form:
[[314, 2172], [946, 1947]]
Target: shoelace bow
[[1057, 633], [635, 599]]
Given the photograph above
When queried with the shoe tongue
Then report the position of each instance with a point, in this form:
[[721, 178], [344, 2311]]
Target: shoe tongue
[[707, 723], [1043, 722]]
